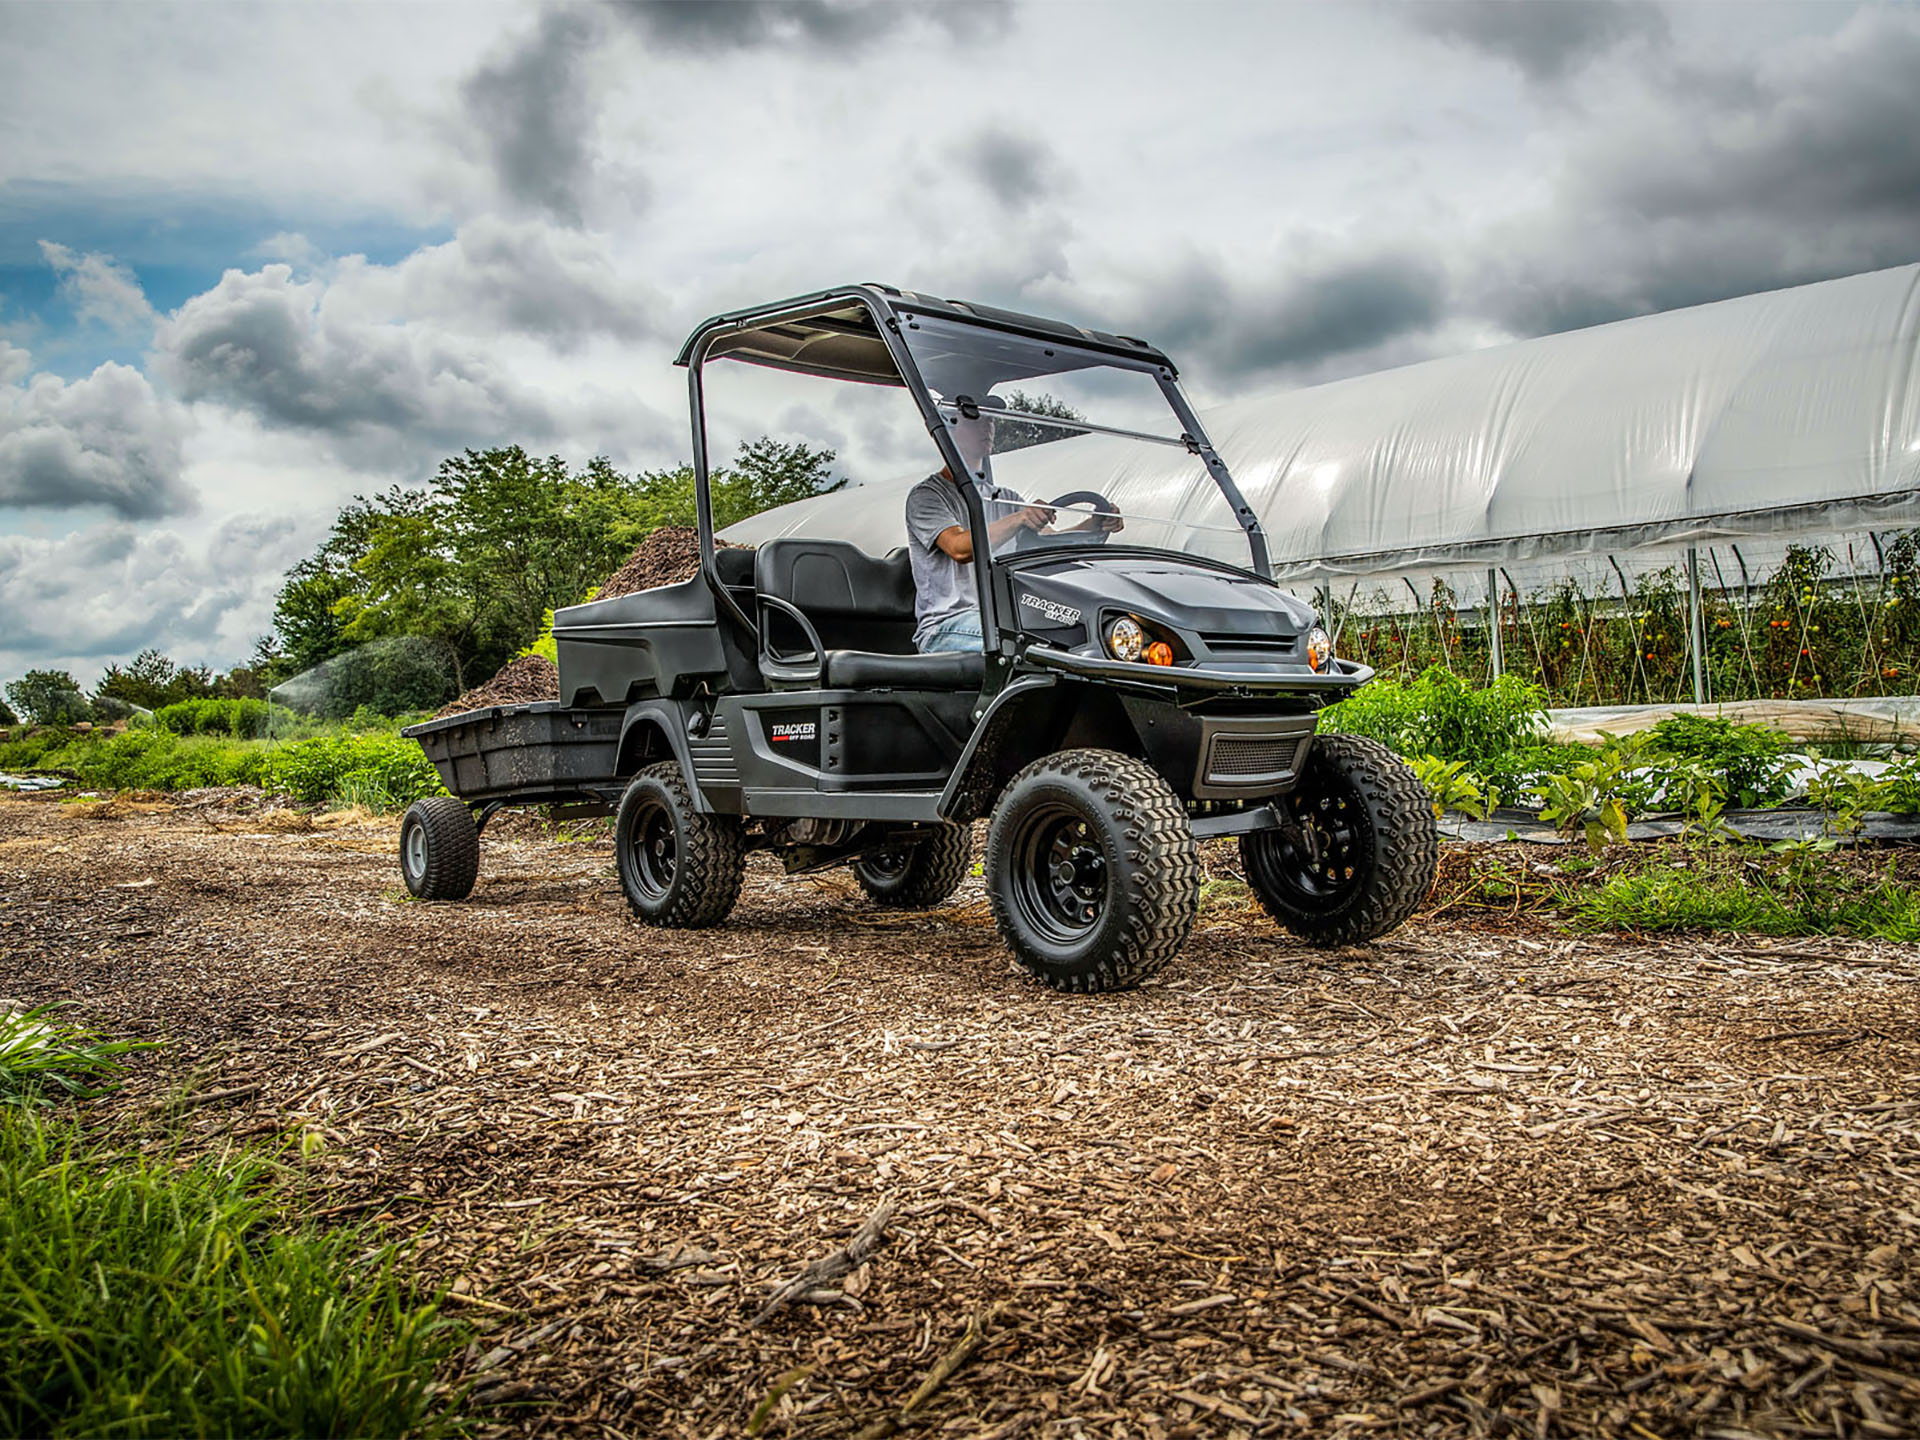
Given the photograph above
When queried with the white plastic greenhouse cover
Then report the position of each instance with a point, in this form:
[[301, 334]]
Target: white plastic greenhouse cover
[[1795, 412]]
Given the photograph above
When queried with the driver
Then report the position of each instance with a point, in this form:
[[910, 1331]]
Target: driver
[[946, 606]]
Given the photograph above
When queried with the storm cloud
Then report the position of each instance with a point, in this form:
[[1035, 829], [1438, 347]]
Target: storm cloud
[[847, 25], [112, 589], [532, 109], [412, 352], [106, 440], [1308, 312], [1017, 170], [1723, 181], [1546, 41]]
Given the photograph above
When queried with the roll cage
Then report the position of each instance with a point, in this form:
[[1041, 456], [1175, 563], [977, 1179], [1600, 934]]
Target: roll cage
[[854, 333]]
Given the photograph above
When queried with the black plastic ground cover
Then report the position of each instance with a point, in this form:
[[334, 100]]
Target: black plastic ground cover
[[1784, 823]]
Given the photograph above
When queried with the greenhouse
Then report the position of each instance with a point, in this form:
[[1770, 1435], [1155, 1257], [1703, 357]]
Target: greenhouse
[[1718, 501]]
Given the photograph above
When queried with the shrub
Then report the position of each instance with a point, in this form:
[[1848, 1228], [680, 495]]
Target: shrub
[[383, 771], [1442, 715], [243, 719]]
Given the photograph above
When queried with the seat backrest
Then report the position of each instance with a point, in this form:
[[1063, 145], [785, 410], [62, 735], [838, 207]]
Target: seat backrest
[[855, 601]]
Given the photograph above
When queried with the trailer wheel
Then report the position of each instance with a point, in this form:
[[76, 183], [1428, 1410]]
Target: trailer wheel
[[439, 849], [1092, 871], [678, 867], [1364, 853], [919, 874]]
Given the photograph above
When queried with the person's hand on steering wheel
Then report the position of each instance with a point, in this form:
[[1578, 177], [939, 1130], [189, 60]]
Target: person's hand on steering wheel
[[1034, 517]]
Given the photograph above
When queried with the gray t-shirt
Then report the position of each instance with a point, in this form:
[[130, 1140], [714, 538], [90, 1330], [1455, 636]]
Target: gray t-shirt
[[942, 586]]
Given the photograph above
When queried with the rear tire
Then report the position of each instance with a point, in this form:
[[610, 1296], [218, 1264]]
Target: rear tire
[[439, 849], [1375, 841], [920, 874], [678, 868], [1092, 871]]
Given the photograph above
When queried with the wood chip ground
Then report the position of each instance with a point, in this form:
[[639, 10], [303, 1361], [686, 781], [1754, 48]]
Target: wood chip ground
[[1484, 1178]]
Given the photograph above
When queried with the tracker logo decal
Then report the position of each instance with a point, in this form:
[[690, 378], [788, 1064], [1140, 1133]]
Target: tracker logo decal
[[1053, 610], [804, 730]]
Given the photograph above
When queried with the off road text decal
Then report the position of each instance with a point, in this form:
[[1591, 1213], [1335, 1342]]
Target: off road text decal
[[804, 730]]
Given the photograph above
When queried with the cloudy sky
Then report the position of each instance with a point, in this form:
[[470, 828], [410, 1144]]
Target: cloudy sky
[[255, 259]]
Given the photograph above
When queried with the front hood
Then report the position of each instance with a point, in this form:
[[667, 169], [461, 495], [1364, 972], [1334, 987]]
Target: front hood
[[1211, 615]]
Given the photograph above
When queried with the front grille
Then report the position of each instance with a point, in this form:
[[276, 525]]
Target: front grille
[[1222, 643], [1253, 757]]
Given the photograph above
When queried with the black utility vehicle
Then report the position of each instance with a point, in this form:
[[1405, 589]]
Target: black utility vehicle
[[1143, 682]]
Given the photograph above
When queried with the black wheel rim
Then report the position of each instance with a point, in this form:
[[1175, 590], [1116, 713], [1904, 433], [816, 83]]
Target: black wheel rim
[[1319, 861], [888, 864], [653, 851], [1060, 874]]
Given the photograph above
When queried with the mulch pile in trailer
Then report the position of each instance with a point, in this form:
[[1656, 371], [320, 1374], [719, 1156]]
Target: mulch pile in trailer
[[519, 682], [1486, 1178]]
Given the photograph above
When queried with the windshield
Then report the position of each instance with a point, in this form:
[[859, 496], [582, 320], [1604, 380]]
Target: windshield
[[1090, 434]]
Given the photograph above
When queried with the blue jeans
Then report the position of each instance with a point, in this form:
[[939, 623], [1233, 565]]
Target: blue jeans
[[958, 631]]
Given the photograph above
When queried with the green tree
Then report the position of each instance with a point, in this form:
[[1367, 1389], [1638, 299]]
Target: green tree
[[151, 680], [49, 697], [7, 717], [1020, 434], [769, 472]]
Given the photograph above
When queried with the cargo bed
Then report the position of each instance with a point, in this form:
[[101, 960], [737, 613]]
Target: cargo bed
[[526, 754]]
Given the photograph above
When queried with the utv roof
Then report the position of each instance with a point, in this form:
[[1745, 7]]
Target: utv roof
[[833, 332]]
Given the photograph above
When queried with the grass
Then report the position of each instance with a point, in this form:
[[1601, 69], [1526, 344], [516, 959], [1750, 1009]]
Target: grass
[[144, 1297], [1792, 900], [40, 1061], [154, 1295]]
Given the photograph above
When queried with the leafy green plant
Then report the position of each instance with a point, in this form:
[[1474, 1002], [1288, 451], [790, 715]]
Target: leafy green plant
[[1807, 898], [40, 1059], [1586, 799], [143, 1296], [1454, 787], [1443, 715], [1843, 795], [1749, 759]]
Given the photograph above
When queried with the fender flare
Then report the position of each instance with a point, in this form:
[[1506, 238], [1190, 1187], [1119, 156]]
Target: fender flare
[[670, 719], [1009, 699]]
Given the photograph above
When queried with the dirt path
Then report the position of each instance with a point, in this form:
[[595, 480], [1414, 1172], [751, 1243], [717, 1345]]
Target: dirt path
[[1467, 1182]]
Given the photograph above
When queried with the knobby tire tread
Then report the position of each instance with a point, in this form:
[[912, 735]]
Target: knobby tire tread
[[711, 863], [935, 868], [1163, 875], [1406, 853]]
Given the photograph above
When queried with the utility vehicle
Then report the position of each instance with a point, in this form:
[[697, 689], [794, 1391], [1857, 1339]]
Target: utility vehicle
[[1143, 683]]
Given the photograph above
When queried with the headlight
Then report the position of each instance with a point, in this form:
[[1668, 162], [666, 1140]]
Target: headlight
[[1319, 649], [1125, 637]]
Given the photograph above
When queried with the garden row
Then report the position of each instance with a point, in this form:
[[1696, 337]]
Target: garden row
[[1840, 620], [1478, 748]]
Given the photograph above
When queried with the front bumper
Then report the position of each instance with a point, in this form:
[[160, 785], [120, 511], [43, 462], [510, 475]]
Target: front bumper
[[1345, 677]]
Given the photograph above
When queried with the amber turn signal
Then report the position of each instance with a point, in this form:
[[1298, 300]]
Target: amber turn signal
[[1158, 653]]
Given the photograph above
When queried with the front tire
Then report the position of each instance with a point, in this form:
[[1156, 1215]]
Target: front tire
[[1370, 850], [919, 875], [678, 868], [439, 849], [1091, 871]]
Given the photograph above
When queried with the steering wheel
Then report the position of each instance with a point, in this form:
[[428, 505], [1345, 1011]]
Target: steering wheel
[[1034, 540]]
